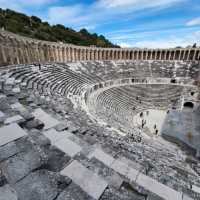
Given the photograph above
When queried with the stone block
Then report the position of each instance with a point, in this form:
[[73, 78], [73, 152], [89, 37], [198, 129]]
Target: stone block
[[10, 133], [91, 183], [48, 120]]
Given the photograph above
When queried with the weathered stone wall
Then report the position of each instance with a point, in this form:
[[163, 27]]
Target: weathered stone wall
[[16, 49]]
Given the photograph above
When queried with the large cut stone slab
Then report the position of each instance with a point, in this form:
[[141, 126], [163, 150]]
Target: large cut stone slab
[[7, 193], [20, 165], [39, 185], [101, 156], [10, 133], [125, 169], [67, 146], [2, 116], [158, 188], [91, 183], [14, 119], [74, 192], [54, 135], [18, 107], [48, 121], [196, 189]]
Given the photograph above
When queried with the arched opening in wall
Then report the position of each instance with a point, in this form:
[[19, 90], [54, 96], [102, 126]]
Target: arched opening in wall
[[186, 55], [192, 93], [111, 55], [158, 55], [172, 55], [197, 55], [188, 105], [176, 55], [131, 55], [127, 55], [191, 56], [118, 55], [148, 55], [144, 55], [154, 55], [140, 55], [168, 55], [114, 55], [182, 55], [123, 55], [135, 55]]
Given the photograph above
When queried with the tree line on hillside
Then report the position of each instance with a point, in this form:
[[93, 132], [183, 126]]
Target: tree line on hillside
[[34, 27]]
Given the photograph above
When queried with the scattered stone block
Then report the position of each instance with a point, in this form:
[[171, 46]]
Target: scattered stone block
[[16, 90], [67, 146], [61, 127], [7, 193], [39, 185], [49, 122], [101, 156], [14, 119], [158, 188], [8, 150], [10, 81], [196, 188], [35, 123], [18, 107], [115, 180], [73, 191], [10, 133], [91, 183], [20, 165], [2, 116], [54, 136]]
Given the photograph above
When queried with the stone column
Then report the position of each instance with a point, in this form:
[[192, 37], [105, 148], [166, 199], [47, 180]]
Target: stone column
[[96, 55], [68, 53], [194, 56], [180, 53], [188, 56], [137, 54], [184, 53], [84, 54], [3, 54], [92, 54], [160, 55], [18, 52], [198, 56], [151, 55]]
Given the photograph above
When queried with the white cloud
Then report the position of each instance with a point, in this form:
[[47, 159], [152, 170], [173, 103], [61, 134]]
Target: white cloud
[[72, 14], [168, 42], [135, 4], [102, 11], [20, 5], [194, 22], [124, 45]]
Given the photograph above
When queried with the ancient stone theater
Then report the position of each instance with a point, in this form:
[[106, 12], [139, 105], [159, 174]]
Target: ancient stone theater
[[89, 123]]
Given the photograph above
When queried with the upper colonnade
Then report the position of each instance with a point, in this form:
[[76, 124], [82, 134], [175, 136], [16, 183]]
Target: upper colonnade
[[16, 49]]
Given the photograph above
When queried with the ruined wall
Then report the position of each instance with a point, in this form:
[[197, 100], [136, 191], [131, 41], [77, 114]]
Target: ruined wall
[[16, 49]]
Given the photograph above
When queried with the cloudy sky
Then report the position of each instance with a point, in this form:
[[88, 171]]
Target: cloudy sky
[[129, 23]]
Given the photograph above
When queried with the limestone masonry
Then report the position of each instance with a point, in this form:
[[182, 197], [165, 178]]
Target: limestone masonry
[[16, 49], [86, 123]]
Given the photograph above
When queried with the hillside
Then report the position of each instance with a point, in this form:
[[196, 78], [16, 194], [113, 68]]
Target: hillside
[[34, 27]]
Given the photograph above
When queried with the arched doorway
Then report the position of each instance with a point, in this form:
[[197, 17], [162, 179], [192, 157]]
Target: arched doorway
[[188, 105]]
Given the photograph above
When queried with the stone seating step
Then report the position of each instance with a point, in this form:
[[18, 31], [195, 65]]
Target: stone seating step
[[47, 119], [91, 183], [125, 168], [61, 140]]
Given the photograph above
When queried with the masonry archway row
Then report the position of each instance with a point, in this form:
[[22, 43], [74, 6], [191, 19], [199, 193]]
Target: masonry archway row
[[16, 49]]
